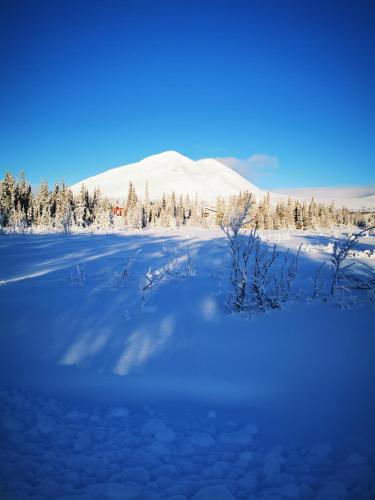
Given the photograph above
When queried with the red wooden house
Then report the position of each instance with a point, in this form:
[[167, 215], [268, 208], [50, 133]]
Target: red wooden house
[[118, 210]]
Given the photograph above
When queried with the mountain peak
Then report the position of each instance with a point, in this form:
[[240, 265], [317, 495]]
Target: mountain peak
[[170, 171], [168, 155]]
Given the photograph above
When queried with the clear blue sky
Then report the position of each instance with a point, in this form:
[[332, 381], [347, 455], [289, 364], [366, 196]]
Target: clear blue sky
[[89, 85]]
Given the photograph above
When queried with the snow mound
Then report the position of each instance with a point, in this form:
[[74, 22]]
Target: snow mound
[[328, 249]]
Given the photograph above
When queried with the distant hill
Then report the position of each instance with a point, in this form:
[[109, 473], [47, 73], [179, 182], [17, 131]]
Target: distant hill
[[352, 197]]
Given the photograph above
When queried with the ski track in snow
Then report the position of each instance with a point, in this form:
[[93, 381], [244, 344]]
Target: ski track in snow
[[111, 392]]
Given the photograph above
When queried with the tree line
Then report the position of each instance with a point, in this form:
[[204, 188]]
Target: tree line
[[58, 209]]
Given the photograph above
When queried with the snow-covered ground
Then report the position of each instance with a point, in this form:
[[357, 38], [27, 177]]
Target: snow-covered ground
[[123, 375]]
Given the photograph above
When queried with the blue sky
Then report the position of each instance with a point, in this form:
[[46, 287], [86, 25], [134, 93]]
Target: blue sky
[[89, 85]]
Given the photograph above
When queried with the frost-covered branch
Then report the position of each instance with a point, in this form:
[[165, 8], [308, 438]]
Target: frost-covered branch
[[130, 260], [318, 281], [283, 279]]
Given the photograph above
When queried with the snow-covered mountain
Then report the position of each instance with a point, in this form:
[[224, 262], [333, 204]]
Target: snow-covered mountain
[[171, 171], [208, 178]]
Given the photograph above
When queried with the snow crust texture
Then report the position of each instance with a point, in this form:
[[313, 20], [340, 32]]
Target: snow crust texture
[[51, 449]]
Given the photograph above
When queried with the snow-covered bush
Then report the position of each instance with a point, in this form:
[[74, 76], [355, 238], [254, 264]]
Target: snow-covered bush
[[340, 252], [177, 266], [240, 245], [258, 280], [283, 279]]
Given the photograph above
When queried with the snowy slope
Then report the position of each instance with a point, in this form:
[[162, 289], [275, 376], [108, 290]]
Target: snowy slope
[[170, 171], [354, 198]]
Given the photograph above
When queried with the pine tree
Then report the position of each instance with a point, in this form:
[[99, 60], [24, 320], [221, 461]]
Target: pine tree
[[24, 199], [82, 207], [313, 215], [268, 222], [290, 220], [180, 217], [8, 199], [305, 216], [298, 215], [42, 206], [64, 209], [132, 198]]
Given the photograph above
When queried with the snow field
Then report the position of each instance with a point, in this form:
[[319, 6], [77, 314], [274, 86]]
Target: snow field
[[88, 355]]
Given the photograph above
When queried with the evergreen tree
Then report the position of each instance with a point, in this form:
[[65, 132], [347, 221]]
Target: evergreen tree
[[313, 215], [132, 198], [305, 216], [24, 201], [267, 219], [8, 199], [82, 215], [64, 208], [42, 206], [298, 220]]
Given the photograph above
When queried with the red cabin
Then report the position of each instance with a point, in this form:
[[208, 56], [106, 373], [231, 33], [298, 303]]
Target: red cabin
[[118, 210]]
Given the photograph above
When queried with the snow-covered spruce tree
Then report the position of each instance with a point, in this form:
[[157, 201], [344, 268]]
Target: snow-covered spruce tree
[[82, 209], [313, 215], [298, 217], [135, 216], [42, 206], [95, 205], [146, 208], [170, 212], [259, 216], [278, 218], [24, 200], [54, 200], [132, 198], [8, 199], [16, 202], [104, 216], [290, 224], [195, 214], [267, 218], [180, 216], [64, 209], [133, 212]]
